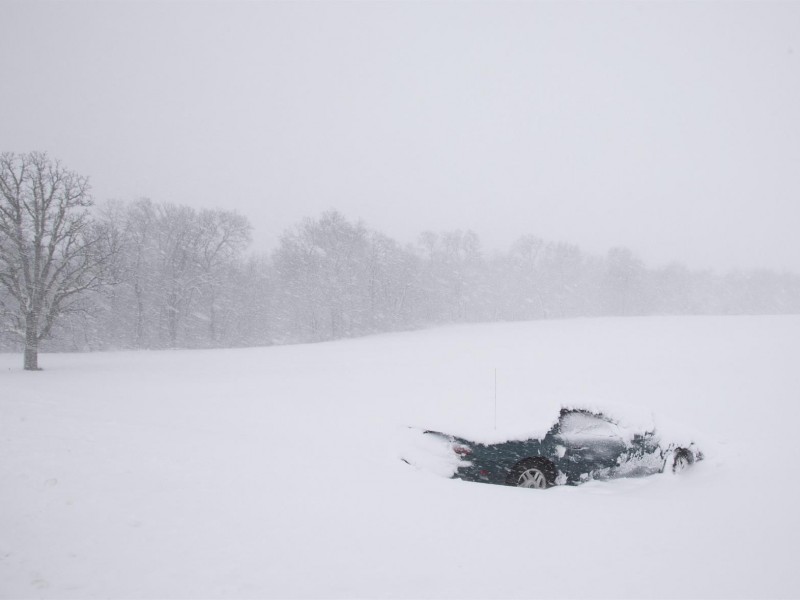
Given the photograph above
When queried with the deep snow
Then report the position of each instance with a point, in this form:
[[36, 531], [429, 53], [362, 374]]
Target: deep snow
[[275, 472]]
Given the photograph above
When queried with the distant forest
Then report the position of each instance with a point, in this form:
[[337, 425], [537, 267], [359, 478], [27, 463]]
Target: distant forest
[[184, 278]]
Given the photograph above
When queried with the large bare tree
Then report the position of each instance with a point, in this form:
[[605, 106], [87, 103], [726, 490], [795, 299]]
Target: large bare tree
[[51, 251]]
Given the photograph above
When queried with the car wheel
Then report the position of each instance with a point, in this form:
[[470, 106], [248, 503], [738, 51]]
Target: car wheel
[[682, 460], [533, 473]]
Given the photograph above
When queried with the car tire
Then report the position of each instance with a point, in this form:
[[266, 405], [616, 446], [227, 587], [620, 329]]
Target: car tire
[[682, 459], [534, 473]]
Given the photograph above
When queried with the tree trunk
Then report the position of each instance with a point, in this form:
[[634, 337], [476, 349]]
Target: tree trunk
[[139, 314], [31, 343], [212, 321]]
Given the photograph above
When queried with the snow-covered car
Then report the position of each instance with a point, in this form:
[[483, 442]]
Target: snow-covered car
[[582, 445]]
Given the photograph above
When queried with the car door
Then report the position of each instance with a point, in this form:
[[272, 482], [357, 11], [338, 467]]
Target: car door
[[590, 441]]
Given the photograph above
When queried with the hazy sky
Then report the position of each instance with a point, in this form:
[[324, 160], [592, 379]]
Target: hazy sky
[[672, 128]]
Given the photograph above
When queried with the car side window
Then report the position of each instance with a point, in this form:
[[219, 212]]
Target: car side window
[[585, 427]]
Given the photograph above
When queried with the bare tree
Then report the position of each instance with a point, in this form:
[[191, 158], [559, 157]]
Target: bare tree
[[222, 236], [624, 283], [51, 252]]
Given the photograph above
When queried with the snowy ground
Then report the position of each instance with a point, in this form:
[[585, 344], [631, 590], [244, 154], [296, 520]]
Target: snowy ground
[[275, 472]]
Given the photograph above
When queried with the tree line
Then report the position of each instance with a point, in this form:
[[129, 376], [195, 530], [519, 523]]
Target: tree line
[[148, 275]]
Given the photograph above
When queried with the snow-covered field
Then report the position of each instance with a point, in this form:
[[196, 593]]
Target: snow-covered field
[[275, 472]]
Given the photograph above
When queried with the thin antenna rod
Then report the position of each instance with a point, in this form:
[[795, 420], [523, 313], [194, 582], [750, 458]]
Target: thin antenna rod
[[495, 399]]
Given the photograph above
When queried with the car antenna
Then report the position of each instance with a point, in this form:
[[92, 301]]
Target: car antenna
[[495, 399]]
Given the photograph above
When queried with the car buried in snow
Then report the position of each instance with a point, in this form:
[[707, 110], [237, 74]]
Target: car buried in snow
[[582, 445]]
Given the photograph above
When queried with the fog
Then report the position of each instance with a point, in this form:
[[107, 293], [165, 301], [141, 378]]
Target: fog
[[525, 211], [669, 128]]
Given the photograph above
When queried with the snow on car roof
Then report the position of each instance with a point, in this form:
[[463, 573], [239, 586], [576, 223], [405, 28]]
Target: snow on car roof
[[540, 417]]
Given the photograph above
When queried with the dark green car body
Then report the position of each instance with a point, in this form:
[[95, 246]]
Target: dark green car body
[[581, 446]]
